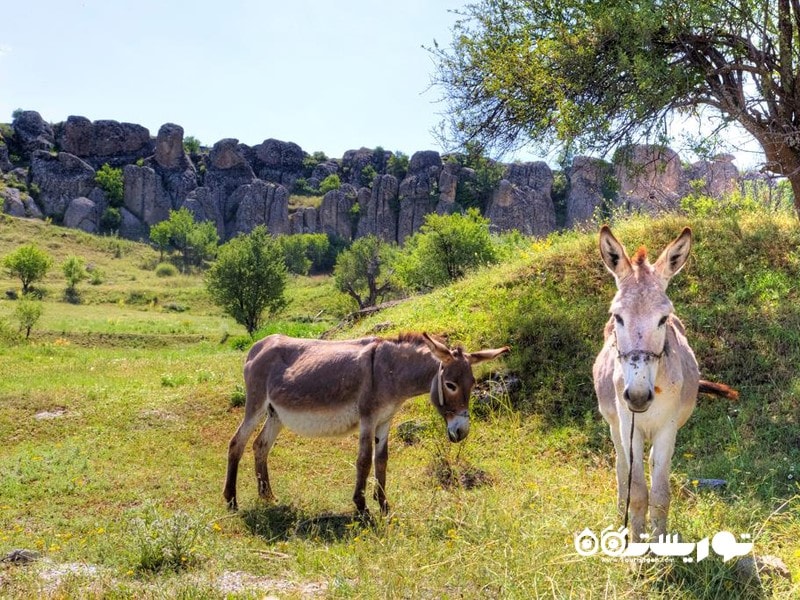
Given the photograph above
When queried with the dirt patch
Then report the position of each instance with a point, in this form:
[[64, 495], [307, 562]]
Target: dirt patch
[[54, 413], [239, 582]]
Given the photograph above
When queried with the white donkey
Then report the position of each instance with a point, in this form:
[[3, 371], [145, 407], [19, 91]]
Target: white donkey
[[646, 376]]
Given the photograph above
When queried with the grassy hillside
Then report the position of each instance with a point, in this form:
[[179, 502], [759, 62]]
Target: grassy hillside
[[116, 417]]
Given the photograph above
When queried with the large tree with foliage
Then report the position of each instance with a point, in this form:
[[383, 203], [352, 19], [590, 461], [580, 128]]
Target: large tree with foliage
[[596, 75], [248, 277]]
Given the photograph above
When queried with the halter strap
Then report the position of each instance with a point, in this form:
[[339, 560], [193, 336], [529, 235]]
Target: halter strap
[[646, 355], [439, 378]]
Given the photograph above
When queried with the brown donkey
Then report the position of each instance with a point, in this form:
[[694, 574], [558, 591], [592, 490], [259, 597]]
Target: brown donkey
[[646, 376], [324, 388]]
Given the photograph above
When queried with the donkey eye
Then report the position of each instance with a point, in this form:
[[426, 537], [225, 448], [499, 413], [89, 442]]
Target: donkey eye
[[619, 320], [662, 321], [452, 387]]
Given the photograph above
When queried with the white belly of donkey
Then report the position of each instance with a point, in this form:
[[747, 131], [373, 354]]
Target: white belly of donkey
[[320, 423]]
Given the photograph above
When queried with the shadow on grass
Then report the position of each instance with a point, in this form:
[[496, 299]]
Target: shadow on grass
[[284, 522]]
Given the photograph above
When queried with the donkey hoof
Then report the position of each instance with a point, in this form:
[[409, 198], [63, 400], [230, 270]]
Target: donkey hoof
[[232, 505]]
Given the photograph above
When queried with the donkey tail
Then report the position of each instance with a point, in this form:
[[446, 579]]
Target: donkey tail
[[718, 389]]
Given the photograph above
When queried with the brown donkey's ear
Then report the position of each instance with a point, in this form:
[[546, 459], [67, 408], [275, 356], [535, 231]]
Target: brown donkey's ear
[[439, 350], [614, 255], [484, 355]]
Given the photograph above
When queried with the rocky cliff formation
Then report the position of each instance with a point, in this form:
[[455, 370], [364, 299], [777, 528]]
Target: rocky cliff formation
[[49, 172]]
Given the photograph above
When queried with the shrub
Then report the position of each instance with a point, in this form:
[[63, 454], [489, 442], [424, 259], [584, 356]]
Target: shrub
[[365, 271], [331, 182], [28, 312], [164, 543], [74, 271], [111, 182], [191, 145], [398, 165], [305, 252], [110, 220], [166, 270], [445, 248]]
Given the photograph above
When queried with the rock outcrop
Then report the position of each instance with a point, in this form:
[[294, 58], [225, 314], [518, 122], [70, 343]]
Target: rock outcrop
[[49, 171], [523, 200]]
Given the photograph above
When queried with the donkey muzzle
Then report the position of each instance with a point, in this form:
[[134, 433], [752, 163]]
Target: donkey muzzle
[[639, 400], [458, 426]]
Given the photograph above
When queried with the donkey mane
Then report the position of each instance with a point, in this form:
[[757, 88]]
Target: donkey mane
[[640, 258], [416, 339]]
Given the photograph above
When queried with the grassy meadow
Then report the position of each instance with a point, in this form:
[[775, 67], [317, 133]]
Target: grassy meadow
[[116, 414]]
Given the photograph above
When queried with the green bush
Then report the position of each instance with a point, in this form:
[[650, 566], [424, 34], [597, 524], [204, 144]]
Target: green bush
[[166, 270], [445, 248], [28, 312], [305, 252], [110, 180], [110, 220], [191, 145], [331, 182]]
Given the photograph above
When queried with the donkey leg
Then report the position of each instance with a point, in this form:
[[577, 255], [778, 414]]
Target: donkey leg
[[660, 463], [638, 490], [381, 458], [252, 418], [261, 447], [363, 464]]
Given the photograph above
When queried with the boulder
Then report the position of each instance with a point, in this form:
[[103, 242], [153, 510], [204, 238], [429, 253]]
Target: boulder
[[5, 162], [260, 203], [60, 178], [588, 178], [377, 213], [169, 152], [336, 212], [144, 195], [105, 141], [523, 200], [650, 178], [32, 133], [131, 227], [82, 213], [278, 162], [418, 192], [321, 171], [355, 161], [719, 176], [12, 202], [303, 220], [205, 205]]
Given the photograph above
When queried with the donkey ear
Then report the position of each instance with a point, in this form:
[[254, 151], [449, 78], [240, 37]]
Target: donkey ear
[[674, 257], [437, 348], [614, 255], [484, 355]]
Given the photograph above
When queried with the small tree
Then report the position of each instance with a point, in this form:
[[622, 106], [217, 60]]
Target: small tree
[[196, 242], [159, 235], [248, 278], [28, 312], [74, 271], [365, 271], [191, 145], [444, 248], [29, 264]]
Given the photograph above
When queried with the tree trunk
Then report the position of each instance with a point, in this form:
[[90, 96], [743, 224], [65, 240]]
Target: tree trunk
[[783, 158]]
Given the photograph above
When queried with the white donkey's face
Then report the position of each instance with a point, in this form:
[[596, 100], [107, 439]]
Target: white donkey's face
[[641, 312], [640, 328]]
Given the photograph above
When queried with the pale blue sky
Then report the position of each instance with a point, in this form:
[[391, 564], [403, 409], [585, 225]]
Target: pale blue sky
[[329, 76]]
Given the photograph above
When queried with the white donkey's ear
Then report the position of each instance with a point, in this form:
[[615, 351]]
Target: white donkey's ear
[[674, 257], [614, 255]]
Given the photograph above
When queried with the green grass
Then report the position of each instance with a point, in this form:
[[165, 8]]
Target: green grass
[[124, 478]]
